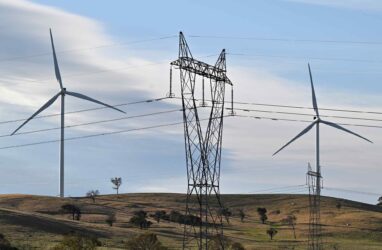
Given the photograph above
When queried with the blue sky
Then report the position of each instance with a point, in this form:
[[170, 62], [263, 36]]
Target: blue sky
[[268, 70]]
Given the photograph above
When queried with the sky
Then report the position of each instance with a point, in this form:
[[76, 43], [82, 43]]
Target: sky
[[120, 52]]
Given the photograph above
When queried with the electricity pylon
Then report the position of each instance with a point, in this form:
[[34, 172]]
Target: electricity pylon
[[314, 236], [203, 219]]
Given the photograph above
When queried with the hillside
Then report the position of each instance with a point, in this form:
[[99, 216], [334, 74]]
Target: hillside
[[38, 221]]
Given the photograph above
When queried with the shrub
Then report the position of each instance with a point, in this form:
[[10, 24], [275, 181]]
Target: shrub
[[111, 219], [158, 215], [78, 242], [147, 241], [5, 244], [73, 210], [218, 242], [139, 219]]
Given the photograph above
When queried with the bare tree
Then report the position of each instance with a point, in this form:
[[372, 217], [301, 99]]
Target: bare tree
[[117, 182], [290, 220], [92, 194], [242, 215]]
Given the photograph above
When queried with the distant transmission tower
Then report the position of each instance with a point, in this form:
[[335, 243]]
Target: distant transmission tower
[[203, 151], [314, 180]]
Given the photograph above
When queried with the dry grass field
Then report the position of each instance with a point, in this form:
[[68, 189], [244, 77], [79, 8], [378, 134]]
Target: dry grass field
[[37, 222]]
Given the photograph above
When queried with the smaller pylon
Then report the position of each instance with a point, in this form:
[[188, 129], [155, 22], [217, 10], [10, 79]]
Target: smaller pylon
[[315, 235]]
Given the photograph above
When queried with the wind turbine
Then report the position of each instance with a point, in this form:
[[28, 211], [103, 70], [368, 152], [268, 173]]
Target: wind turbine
[[62, 93], [316, 122]]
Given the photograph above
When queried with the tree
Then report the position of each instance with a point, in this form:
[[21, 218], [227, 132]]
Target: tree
[[338, 205], [140, 219], [226, 213], [271, 232], [111, 219], [242, 215], [147, 241], [290, 220], [92, 194], [262, 211], [158, 215], [117, 182], [73, 210], [380, 201]]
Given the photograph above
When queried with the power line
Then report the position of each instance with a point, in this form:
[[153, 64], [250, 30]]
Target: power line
[[352, 191], [277, 188], [299, 107], [303, 114], [94, 122], [86, 110], [307, 58], [304, 121], [103, 71], [92, 135], [98, 134], [166, 125], [290, 40], [165, 112], [88, 48]]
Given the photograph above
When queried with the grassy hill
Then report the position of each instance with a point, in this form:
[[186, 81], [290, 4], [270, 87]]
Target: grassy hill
[[38, 221]]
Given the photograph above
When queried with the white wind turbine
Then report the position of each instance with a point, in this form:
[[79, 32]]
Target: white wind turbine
[[317, 121], [62, 93]]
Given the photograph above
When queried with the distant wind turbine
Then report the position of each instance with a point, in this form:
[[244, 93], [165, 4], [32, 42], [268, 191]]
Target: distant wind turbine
[[317, 121], [62, 93]]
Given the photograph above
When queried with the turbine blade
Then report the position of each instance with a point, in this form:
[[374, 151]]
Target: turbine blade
[[81, 96], [314, 100], [344, 129], [297, 136], [46, 105], [56, 68]]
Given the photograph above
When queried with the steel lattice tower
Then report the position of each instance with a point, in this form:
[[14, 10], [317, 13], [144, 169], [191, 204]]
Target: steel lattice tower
[[203, 151], [314, 236]]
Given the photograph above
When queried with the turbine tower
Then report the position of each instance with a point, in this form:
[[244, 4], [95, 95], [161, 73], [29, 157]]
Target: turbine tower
[[317, 121], [62, 93]]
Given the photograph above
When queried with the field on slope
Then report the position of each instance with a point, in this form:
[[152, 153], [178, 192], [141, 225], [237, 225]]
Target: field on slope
[[38, 221]]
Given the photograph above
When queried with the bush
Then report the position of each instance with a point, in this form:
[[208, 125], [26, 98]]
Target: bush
[[111, 219], [226, 213], [5, 244], [78, 242], [160, 214], [139, 219], [218, 242], [147, 241], [73, 210]]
